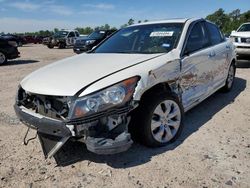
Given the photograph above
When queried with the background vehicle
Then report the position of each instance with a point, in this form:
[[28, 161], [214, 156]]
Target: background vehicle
[[62, 39], [18, 39], [8, 50], [33, 39], [86, 44], [138, 82], [241, 40]]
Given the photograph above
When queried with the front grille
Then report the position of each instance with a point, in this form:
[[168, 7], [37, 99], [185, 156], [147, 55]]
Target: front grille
[[245, 40], [55, 107], [247, 47]]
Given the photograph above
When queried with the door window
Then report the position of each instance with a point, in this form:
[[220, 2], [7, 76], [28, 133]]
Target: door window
[[197, 39], [71, 34], [215, 34], [77, 34]]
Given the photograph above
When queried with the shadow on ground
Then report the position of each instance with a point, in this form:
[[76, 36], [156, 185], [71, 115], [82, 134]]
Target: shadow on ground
[[138, 154], [19, 62]]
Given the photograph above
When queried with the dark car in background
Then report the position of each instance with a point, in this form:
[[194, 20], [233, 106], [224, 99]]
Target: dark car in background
[[8, 49], [87, 43], [34, 39], [20, 40]]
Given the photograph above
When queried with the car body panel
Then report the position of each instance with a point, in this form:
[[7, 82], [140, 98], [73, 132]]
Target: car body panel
[[11, 52], [66, 78]]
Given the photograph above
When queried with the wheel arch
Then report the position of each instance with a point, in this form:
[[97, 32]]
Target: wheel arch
[[163, 87]]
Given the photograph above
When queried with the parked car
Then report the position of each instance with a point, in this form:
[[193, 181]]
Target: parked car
[[62, 39], [33, 39], [86, 44], [140, 81], [18, 39], [8, 50], [241, 39]]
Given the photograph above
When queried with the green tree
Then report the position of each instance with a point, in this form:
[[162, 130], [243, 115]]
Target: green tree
[[56, 30], [131, 21], [219, 18]]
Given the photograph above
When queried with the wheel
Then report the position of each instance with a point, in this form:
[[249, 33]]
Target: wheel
[[50, 46], [230, 78], [158, 121], [3, 58], [62, 45]]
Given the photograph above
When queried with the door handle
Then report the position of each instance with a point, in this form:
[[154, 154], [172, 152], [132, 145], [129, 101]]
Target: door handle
[[212, 54]]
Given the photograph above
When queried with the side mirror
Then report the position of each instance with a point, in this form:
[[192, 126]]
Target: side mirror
[[233, 31]]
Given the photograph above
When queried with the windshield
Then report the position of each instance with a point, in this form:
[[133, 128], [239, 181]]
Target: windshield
[[97, 35], [154, 38], [61, 33], [245, 27]]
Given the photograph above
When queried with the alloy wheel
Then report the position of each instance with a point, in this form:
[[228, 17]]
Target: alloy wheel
[[165, 121]]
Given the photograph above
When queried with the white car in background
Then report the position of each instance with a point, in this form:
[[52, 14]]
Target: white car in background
[[138, 82], [241, 39]]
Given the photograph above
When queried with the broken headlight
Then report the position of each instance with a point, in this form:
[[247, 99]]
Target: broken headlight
[[115, 95]]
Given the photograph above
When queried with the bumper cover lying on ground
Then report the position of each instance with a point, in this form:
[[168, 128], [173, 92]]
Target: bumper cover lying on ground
[[53, 134]]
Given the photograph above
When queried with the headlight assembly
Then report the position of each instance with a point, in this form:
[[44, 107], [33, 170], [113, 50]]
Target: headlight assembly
[[115, 95], [88, 42]]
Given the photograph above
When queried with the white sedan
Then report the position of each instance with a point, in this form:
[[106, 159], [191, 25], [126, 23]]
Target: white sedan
[[139, 82]]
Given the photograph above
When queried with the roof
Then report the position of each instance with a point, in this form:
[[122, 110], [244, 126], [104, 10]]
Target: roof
[[174, 20]]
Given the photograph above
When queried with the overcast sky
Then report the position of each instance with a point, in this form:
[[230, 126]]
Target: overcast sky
[[34, 15]]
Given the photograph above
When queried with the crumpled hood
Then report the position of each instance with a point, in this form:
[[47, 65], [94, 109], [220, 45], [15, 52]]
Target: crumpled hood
[[68, 76], [241, 34]]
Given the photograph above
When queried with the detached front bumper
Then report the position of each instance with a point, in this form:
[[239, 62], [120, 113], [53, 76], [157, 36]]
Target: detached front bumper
[[53, 134]]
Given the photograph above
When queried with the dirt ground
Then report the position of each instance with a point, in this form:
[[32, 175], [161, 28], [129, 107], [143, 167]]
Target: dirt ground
[[213, 151]]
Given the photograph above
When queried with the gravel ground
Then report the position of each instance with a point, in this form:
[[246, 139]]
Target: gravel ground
[[213, 151]]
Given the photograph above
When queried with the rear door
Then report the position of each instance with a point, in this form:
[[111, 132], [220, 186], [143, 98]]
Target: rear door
[[221, 59], [197, 67]]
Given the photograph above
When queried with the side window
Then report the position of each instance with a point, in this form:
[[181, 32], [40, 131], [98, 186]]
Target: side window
[[215, 34], [77, 34], [197, 39], [71, 34]]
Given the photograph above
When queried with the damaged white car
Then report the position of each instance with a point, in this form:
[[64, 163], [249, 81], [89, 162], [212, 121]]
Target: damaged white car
[[138, 82]]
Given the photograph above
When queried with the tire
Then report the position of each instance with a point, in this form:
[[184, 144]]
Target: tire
[[230, 78], [3, 58], [151, 126], [50, 46], [62, 45]]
